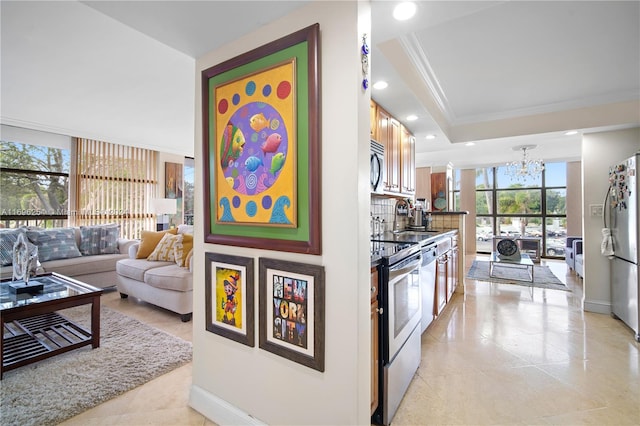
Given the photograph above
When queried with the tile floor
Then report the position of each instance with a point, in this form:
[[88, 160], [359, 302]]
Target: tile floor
[[500, 354]]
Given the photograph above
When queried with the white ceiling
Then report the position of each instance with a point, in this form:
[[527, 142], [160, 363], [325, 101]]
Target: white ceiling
[[500, 73]]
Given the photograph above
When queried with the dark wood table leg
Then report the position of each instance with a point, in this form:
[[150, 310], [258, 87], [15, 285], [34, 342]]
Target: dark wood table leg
[[95, 322], [1, 346]]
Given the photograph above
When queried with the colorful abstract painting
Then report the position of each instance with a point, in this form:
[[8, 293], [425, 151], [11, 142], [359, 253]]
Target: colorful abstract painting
[[255, 134]]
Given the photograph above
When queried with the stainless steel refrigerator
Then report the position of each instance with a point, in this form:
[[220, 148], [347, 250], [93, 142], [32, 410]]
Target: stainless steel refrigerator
[[623, 225]]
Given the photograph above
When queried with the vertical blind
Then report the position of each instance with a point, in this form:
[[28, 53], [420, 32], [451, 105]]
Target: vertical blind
[[114, 184]]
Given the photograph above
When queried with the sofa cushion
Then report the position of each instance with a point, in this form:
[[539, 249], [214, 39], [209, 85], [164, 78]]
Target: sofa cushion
[[99, 239], [84, 265], [149, 240], [8, 238], [185, 229], [56, 243], [170, 277], [136, 268], [164, 251]]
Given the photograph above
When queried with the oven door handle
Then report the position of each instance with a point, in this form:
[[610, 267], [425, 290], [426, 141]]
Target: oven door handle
[[405, 269]]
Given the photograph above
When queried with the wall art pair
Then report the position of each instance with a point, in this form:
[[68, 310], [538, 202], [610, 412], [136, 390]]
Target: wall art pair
[[291, 305]]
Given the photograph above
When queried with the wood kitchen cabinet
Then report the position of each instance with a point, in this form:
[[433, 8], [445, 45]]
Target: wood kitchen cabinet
[[375, 358], [452, 279], [442, 276], [407, 162], [373, 120], [389, 135], [399, 151]]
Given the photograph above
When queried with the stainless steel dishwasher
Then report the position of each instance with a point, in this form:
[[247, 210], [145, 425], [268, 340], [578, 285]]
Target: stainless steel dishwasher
[[428, 284]]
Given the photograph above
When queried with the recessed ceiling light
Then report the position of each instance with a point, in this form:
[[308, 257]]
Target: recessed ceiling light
[[571, 132], [469, 144], [412, 117], [404, 11], [430, 137], [380, 85]]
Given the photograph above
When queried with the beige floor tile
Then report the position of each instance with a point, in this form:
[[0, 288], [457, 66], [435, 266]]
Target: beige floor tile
[[498, 355]]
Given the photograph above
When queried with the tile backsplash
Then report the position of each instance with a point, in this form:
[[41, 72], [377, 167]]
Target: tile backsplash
[[383, 208]]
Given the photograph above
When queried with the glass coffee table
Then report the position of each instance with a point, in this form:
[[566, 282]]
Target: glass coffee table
[[524, 262], [32, 330]]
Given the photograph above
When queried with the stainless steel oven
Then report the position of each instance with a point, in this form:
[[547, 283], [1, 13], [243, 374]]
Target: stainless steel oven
[[401, 303]]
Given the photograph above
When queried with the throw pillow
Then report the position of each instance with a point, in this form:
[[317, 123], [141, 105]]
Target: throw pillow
[[8, 238], [183, 249], [188, 258], [165, 248], [149, 240], [56, 243], [99, 239]]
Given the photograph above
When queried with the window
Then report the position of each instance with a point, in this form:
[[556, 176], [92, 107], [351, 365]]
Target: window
[[115, 184], [534, 208], [34, 183], [455, 195], [189, 183]]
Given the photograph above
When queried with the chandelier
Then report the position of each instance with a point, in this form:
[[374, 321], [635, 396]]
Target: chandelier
[[525, 168]]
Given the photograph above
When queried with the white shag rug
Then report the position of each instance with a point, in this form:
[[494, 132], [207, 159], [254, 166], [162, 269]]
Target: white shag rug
[[131, 353]]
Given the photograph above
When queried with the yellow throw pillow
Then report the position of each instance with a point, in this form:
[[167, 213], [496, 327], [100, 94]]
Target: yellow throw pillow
[[188, 258], [187, 245], [165, 248], [149, 240]]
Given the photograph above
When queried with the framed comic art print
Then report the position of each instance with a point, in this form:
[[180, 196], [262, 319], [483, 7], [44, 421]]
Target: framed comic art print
[[292, 311], [261, 147], [229, 295]]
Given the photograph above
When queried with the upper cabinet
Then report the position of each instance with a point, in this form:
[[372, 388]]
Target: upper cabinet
[[373, 120], [407, 162], [399, 152], [389, 136]]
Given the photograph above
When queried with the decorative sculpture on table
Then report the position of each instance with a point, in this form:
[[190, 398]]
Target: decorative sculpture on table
[[23, 259]]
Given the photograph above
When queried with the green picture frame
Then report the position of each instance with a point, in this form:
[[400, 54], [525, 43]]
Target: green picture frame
[[305, 236]]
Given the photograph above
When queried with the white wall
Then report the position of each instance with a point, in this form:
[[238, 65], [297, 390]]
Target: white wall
[[234, 383], [599, 151], [69, 69]]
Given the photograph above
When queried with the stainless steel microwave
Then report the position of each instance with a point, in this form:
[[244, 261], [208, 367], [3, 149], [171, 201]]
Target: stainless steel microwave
[[377, 165]]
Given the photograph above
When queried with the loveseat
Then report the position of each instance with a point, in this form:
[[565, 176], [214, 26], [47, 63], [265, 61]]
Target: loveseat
[[86, 253], [158, 271]]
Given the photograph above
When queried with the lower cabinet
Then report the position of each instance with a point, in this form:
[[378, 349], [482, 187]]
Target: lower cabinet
[[375, 360], [442, 276], [452, 281]]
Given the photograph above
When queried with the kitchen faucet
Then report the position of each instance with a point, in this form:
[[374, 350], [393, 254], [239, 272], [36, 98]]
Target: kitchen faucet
[[395, 213]]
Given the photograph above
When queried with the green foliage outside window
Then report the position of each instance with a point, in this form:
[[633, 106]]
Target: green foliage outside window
[[34, 181]]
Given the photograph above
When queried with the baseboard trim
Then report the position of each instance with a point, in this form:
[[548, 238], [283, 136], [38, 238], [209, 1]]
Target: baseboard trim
[[597, 306], [218, 410]]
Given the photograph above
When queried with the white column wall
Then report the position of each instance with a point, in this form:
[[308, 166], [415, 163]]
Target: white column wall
[[599, 151], [234, 383]]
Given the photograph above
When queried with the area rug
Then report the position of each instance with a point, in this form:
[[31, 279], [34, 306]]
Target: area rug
[[131, 353], [542, 275]]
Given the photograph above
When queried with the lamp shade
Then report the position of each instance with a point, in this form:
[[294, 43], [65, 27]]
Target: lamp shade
[[164, 205]]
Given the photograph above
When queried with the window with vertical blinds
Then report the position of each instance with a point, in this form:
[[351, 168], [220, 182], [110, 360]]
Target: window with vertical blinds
[[114, 184]]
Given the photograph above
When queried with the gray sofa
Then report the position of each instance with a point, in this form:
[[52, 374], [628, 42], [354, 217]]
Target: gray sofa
[[161, 283], [98, 270]]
